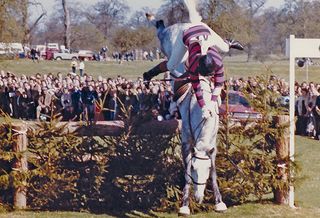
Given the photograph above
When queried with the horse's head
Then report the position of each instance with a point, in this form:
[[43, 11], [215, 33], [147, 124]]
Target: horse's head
[[200, 171]]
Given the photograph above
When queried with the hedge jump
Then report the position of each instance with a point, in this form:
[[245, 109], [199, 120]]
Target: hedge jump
[[115, 128]]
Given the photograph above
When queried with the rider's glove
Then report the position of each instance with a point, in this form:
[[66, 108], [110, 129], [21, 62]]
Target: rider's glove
[[235, 44]]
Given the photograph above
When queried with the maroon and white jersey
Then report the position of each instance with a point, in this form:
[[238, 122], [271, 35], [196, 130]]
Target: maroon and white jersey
[[192, 38]]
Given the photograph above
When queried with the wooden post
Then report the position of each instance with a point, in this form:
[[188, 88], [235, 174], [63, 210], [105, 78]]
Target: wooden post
[[21, 164], [282, 151]]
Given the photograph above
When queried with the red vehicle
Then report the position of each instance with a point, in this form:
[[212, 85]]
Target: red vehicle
[[49, 53], [238, 107]]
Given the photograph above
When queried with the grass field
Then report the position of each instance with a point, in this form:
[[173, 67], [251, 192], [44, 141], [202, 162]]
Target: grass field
[[308, 151], [235, 67]]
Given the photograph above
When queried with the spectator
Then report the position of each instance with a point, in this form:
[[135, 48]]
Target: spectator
[[81, 67], [316, 113], [74, 66], [44, 104], [33, 54], [302, 111], [89, 98], [66, 102], [76, 103]]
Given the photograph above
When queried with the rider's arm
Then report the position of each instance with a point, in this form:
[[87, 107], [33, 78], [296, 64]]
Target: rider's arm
[[195, 82], [218, 77], [192, 64]]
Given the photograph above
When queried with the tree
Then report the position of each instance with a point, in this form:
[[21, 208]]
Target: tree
[[86, 36], [268, 40], [301, 18], [138, 19], [83, 34], [9, 25], [225, 17], [28, 27], [173, 11], [126, 39], [107, 14], [253, 7], [66, 38]]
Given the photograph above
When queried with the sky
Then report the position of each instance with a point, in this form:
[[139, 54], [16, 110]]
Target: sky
[[138, 4]]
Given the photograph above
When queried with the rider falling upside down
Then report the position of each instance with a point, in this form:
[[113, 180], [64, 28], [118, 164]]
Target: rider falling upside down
[[203, 59]]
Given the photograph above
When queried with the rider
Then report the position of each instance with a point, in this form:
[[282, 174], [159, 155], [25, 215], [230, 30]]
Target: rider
[[201, 44], [205, 61]]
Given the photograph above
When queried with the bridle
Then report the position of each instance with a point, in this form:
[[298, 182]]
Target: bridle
[[190, 176]]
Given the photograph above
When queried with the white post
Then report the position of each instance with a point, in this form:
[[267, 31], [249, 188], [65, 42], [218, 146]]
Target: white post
[[292, 108]]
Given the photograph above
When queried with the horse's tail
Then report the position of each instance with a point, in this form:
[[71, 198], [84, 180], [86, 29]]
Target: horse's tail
[[194, 15]]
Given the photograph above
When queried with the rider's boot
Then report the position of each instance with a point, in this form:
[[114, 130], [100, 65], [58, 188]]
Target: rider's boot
[[160, 24], [235, 44], [160, 68]]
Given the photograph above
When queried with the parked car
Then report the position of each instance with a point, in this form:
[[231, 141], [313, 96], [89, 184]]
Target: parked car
[[86, 55], [238, 108], [11, 50], [64, 54]]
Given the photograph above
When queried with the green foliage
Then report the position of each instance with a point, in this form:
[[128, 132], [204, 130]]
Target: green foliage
[[7, 157], [141, 168], [125, 39], [49, 149], [66, 170], [247, 160]]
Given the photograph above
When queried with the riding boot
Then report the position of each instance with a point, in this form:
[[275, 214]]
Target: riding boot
[[235, 44], [160, 68], [160, 24]]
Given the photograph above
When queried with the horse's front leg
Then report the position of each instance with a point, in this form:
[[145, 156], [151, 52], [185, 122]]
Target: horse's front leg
[[220, 206], [186, 155]]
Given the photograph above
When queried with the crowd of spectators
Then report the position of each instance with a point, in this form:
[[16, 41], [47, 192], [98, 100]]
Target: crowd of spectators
[[83, 97], [307, 105], [79, 97]]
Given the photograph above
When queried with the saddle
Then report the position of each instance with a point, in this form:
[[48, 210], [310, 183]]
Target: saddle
[[181, 86]]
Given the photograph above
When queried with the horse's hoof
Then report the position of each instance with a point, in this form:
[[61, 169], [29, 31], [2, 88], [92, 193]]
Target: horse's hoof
[[184, 211], [221, 207]]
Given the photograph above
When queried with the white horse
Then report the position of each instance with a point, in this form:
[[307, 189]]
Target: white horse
[[199, 148], [199, 133]]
